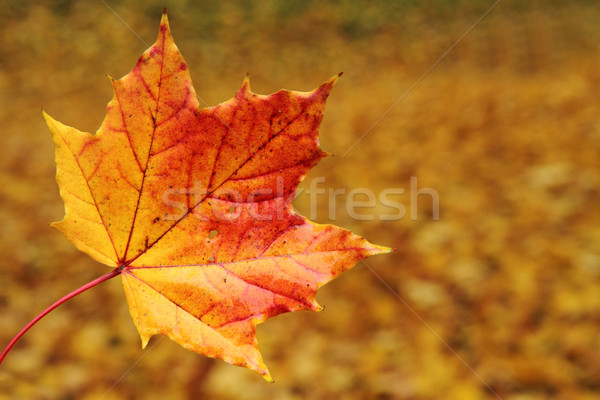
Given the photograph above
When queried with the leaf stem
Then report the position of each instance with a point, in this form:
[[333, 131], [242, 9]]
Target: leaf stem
[[82, 289]]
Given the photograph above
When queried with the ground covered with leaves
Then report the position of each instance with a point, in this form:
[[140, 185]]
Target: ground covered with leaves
[[506, 129]]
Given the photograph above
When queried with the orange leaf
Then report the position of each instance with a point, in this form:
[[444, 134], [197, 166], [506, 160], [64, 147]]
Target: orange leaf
[[193, 206]]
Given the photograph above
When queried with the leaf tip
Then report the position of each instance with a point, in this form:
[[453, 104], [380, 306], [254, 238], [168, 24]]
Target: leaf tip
[[267, 376], [326, 87], [164, 22], [245, 85], [257, 365], [384, 249], [145, 340], [334, 79], [49, 120]]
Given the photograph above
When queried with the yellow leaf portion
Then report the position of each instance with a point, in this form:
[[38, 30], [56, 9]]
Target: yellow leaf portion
[[154, 314], [83, 224]]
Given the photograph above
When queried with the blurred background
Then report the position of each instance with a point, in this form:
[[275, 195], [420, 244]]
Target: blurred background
[[506, 129]]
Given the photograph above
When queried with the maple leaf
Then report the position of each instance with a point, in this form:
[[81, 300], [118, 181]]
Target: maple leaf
[[235, 254]]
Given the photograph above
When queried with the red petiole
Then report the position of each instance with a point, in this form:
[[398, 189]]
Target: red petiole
[[82, 289]]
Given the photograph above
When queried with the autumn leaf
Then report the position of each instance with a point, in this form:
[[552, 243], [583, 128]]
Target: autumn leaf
[[193, 207]]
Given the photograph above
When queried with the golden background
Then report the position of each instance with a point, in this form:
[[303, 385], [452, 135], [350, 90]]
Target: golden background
[[506, 129]]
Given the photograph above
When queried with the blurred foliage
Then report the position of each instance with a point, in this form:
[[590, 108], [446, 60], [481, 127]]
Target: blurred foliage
[[506, 129]]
